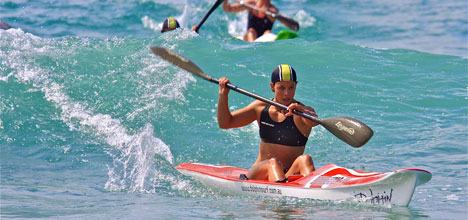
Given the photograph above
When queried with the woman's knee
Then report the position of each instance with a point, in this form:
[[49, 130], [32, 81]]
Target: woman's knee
[[306, 159], [251, 35], [252, 31], [274, 162]]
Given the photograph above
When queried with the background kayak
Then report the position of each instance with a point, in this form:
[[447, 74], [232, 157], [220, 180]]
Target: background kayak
[[92, 123]]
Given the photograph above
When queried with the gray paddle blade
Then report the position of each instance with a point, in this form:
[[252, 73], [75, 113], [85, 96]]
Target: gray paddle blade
[[294, 25], [350, 130], [179, 60]]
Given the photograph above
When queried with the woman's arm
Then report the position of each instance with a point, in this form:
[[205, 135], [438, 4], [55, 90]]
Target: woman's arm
[[235, 7], [238, 118]]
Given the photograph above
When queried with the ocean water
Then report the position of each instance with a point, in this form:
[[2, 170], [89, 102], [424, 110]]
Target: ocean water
[[92, 123]]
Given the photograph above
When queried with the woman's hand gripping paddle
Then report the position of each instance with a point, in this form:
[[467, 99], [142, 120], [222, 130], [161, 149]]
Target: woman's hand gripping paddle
[[350, 130]]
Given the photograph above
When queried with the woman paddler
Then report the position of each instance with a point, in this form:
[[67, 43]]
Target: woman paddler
[[283, 134], [259, 23]]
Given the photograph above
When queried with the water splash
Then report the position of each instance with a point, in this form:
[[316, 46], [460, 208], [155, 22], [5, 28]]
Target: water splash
[[151, 24], [135, 167], [138, 158], [305, 19], [183, 19], [237, 27]]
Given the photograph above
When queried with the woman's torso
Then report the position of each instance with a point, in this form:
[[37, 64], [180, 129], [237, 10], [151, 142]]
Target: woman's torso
[[285, 154], [259, 21]]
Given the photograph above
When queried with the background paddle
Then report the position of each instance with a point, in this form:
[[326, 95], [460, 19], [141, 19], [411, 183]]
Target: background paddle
[[216, 4], [350, 130], [293, 24]]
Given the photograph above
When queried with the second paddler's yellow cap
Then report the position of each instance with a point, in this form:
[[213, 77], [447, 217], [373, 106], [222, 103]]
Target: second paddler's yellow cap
[[170, 24]]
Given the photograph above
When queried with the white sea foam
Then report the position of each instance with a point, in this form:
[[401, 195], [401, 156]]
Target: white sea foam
[[135, 168], [452, 197], [237, 26], [305, 19], [183, 19], [151, 24], [171, 89]]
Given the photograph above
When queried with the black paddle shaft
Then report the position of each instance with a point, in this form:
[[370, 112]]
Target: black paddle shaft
[[216, 4]]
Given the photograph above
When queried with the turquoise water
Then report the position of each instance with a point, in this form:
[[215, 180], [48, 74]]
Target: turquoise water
[[91, 122]]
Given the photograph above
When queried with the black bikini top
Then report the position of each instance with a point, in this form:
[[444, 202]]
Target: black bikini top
[[284, 133], [259, 24]]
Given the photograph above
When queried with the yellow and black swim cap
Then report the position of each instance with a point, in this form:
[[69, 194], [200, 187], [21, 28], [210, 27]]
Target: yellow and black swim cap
[[283, 72], [170, 24]]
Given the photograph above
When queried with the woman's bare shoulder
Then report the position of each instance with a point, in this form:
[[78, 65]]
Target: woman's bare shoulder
[[257, 105]]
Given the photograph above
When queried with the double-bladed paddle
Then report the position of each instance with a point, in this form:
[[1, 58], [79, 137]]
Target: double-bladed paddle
[[350, 130], [216, 4], [293, 24]]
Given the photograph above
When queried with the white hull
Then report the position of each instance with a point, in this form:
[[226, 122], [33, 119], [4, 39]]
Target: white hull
[[395, 189], [268, 37]]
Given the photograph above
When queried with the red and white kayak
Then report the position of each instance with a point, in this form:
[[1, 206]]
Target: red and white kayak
[[330, 182]]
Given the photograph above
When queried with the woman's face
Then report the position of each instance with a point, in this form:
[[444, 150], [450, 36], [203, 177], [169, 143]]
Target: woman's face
[[284, 91]]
